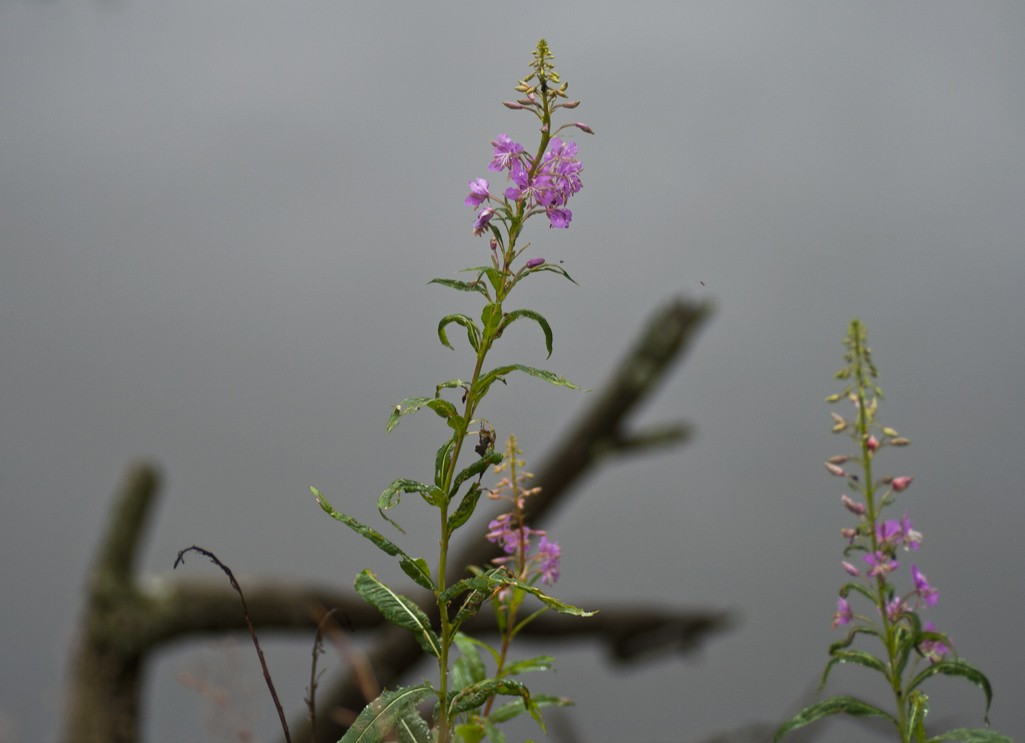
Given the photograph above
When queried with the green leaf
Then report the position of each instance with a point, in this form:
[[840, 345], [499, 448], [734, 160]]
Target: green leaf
[[498, 374], [488, 581], [515, 708], [469, 608], [474, 664], [415, 568], [495, 278], [858, 657], [960, 668], [847, 588], [434, 495], [472, 331], [463, 286], [366, 531], [918, 708], [496, 735], [548, 601], [491, 316], [537, 663], [833, 706], [470, 733], [846, 642], [492, 457], [379, 717], [443, 408], [545, 267], [411, 727], [398, 610], [465, 509], [442, 461], [531, 315], [419, 571], [450, 384], [474, 696], [976, 735]]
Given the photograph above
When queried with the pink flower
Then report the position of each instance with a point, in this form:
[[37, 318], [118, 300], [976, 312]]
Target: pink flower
[[843, 613], [851, 569], [872, 443]]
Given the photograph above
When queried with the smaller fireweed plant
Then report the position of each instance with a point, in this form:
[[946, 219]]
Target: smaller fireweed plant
[[542, 183], [912, 650]]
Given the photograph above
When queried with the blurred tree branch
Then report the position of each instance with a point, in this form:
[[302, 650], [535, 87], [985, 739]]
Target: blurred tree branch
[[125, 622]]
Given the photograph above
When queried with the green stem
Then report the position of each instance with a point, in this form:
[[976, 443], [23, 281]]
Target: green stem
[[889, 629]]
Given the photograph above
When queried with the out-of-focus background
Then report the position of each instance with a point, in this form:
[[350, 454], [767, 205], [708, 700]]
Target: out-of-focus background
[[218, 220]]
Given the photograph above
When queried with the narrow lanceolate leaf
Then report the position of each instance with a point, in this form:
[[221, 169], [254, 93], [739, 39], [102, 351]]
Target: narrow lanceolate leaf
[[847, 588], [398, 610], [474, 696], [918, 708], [379, 717], [546, 267], [859, 657], [846, 642], [463, 286], [833, 706], [548, 601], [962, 669], [442, 461], [496, 375], [471, 605], [492, 457], [515, 708], [530, 315], [415, 568], [434, 495], [366, 531], [491, 316], [465, 509], [977, 735], [537, 663], [443, 408], [472, 331], [411, 727], [474, 664], [419, 571], [488, 581]]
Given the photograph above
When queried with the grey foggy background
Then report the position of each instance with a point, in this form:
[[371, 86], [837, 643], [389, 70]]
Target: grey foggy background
[[216, 225]]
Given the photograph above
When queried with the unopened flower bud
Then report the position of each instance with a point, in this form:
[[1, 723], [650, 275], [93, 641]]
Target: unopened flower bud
[[835, 471], [834, 398], [851, 569], [900, 483], [890, 432], [494, 244], [840, 423], [513, 106], [522, 88], [535, 262], [872, 443], [899, 441], [571, 104], [853, 507], [849, 534], [839, 459], [523, 102], [583, 127]]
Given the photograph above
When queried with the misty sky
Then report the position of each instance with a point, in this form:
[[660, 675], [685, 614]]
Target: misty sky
[[217, 221]]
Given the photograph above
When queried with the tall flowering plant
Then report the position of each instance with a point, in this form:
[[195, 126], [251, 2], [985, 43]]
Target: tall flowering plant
[[542, 183], [912, 650]]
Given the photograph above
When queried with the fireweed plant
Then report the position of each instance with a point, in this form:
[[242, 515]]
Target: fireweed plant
[[541, 184], [912, 650]]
